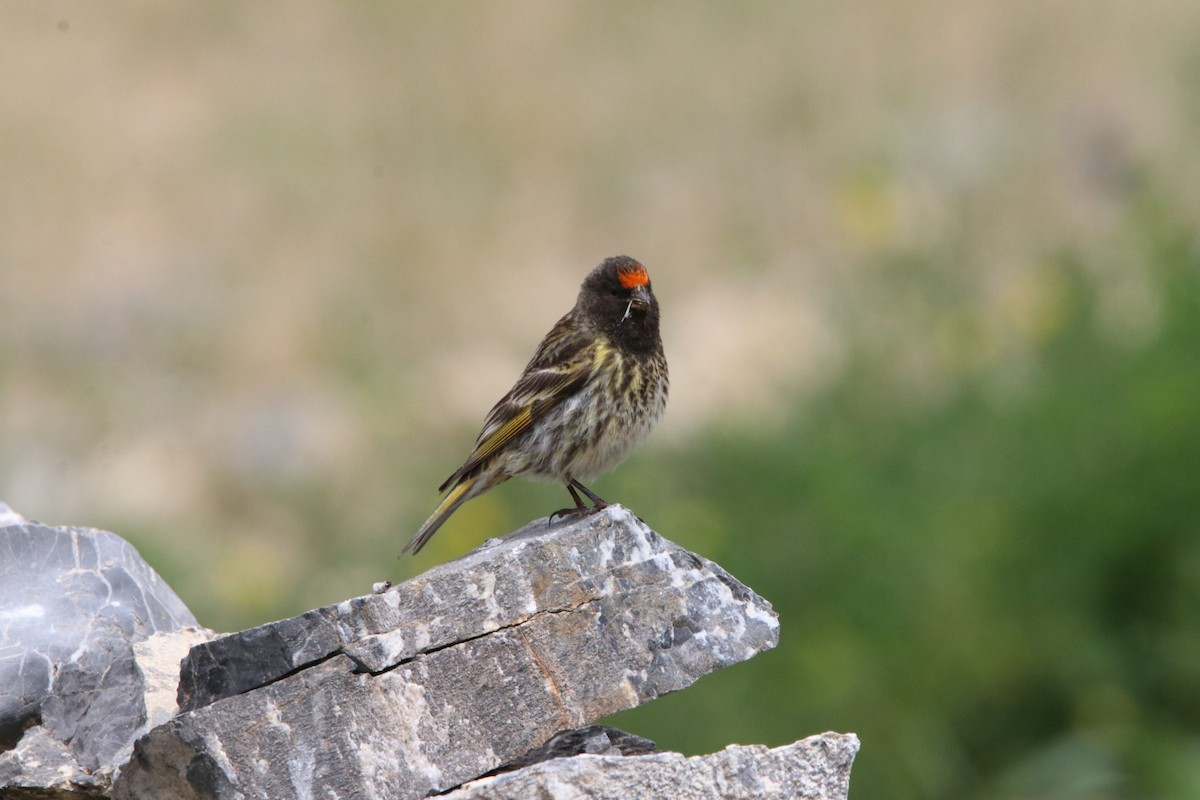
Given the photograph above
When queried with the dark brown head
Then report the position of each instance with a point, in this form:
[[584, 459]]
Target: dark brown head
[[617, 300]]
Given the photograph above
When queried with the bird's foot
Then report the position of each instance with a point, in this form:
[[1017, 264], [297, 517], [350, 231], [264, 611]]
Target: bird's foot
[[578, 512], [564, 514]]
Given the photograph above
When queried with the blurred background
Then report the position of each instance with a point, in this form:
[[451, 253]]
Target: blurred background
[[930, 277]]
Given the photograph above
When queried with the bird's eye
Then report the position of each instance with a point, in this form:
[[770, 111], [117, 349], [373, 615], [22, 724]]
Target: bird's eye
[[615, 292]]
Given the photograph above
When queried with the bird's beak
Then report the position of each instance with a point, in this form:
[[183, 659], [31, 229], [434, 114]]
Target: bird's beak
[[640, 298]]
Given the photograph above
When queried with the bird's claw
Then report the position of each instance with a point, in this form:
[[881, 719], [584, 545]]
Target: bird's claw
[[575, 513]]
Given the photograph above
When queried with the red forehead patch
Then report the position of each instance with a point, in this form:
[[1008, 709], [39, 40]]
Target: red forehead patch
[[632, 276]]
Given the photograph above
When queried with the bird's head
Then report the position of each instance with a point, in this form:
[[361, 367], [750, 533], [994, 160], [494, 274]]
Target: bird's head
[[617, 298]]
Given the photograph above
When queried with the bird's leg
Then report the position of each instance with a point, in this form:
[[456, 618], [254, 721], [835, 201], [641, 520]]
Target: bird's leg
[[580, 508], [595, 498], [579, 504]]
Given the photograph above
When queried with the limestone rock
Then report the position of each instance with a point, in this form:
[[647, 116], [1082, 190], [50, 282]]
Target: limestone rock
[[453, 673], [8, 516], [87, 630], [597, 740], [816, 768]]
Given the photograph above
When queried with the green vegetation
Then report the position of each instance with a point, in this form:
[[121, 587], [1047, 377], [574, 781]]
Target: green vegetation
[[999, 592]]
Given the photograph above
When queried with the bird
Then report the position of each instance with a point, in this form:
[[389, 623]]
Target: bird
[[594, 388]]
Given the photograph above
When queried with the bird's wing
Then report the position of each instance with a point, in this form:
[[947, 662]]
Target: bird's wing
[[536, 392]]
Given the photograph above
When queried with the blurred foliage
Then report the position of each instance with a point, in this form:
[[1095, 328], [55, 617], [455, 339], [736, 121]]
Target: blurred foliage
[[999, 594]]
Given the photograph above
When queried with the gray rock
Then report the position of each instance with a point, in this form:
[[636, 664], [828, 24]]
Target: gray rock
[[451, 674], [84, 626], [8, 516], [816, 768], [598, 740]]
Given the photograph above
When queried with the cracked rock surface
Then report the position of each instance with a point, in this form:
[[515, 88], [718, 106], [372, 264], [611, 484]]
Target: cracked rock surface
[[816, 768], [451, 674], [90, 643]]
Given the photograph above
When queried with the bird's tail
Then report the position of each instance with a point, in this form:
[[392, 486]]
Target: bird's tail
[[460, 494]]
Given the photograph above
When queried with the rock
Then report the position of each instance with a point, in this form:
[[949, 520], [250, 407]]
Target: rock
[[451, 674], [90, 639], [597, 740], [8, 516], [816, 768], [465, 671]]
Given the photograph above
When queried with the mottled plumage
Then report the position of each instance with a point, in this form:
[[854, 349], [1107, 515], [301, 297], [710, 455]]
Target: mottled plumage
[[593, 390]]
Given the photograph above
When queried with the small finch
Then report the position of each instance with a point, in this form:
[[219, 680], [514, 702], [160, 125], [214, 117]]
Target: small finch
[[593, 390]]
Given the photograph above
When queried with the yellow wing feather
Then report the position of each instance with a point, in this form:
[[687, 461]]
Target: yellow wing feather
[[534, 395]]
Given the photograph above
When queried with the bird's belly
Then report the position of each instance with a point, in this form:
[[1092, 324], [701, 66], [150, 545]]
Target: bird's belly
[[594, 436]]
